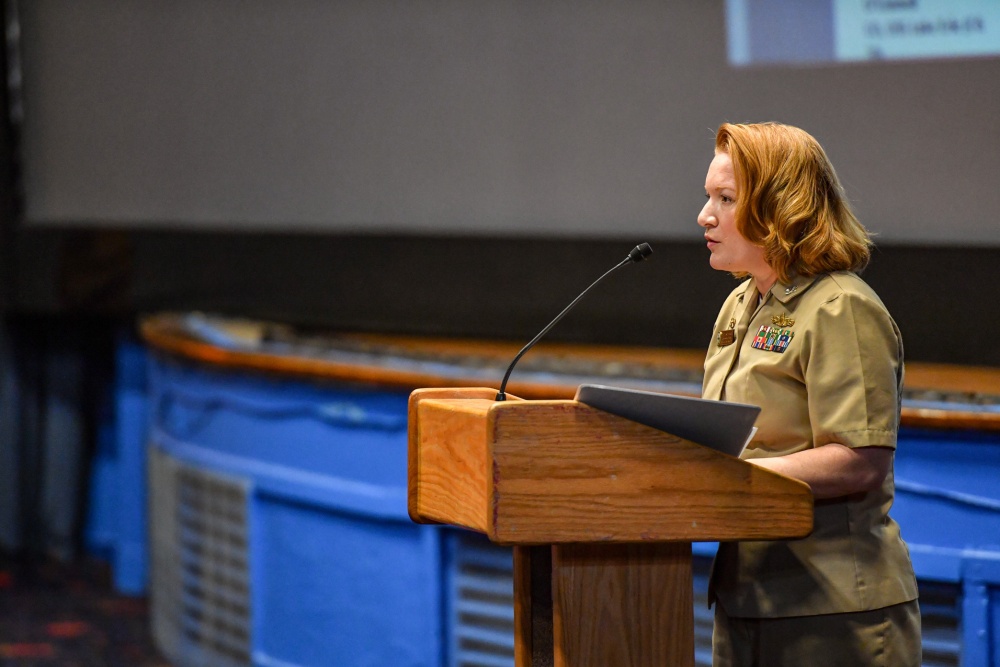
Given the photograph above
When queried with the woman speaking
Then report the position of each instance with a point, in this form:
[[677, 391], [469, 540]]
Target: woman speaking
[[806, 339]]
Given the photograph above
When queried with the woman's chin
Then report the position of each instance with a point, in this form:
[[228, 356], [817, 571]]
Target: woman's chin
[[717, 263]]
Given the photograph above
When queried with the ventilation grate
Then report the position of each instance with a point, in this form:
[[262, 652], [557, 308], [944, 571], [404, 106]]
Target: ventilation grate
[[481, 606], [704, 618], [940, 619], [200, 571]]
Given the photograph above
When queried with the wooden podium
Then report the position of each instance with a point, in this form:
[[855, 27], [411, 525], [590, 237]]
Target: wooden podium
[[601, 512]]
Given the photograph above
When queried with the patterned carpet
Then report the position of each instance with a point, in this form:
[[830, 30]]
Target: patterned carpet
[[57, 615]]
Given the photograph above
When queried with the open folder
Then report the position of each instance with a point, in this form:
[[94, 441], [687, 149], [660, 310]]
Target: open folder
[[723, 426]]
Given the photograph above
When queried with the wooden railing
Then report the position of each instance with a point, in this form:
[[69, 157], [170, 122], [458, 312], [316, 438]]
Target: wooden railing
[[937, 396]]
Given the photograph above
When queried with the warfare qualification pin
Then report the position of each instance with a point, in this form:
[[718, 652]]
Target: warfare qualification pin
[[782, 320]]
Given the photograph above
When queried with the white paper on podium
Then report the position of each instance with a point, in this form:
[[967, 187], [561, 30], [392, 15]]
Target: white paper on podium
[[723, 426]]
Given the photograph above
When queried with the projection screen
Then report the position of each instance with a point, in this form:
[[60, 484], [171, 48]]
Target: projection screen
[[565, 118]]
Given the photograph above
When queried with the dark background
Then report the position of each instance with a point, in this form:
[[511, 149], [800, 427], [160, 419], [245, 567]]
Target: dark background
[[942, 298]]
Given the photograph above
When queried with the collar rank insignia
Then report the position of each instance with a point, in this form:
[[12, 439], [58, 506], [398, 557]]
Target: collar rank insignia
[[782, 320], [772, 339]]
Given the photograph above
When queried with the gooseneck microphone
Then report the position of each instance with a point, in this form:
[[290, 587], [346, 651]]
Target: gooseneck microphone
[[637, 254]]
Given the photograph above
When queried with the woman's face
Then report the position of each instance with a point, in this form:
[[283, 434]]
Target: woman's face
[[730, 250]]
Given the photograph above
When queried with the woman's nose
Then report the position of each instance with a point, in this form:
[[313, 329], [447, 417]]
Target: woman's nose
[[705, 217]]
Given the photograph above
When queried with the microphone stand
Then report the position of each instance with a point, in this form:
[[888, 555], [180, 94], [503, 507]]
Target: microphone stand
[[637, 254]]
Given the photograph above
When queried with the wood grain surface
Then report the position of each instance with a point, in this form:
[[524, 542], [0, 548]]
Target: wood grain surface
[[628, 605], [553, 472]]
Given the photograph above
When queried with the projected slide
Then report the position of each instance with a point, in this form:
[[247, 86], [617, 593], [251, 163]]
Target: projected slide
[[792, 32], [514, 118]]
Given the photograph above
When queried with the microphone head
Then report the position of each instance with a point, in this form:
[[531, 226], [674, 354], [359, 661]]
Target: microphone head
[[640, 252]]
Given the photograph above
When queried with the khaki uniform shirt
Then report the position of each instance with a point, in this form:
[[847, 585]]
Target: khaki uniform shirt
[[824, 360]]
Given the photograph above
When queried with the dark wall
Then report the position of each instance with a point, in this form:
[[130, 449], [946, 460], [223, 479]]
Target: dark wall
[[476, 287]]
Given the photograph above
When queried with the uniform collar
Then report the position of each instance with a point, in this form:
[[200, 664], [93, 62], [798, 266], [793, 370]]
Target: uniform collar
[[796, 285], [782, 291], [749, 287]]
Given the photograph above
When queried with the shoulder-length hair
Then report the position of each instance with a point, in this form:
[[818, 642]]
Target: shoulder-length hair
[[790, 201]]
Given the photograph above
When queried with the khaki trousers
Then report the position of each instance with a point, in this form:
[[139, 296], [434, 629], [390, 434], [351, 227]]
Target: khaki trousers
[[888, 637]]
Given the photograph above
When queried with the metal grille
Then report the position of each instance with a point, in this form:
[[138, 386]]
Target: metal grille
[[704, 618], [940, 618], [481, 596], [200, 596]]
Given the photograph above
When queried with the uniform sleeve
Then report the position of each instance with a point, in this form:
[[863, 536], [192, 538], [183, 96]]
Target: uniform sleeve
[[853, 373]]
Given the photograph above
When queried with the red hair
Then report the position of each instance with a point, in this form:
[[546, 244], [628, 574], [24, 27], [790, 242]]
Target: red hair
[[790, 201]]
